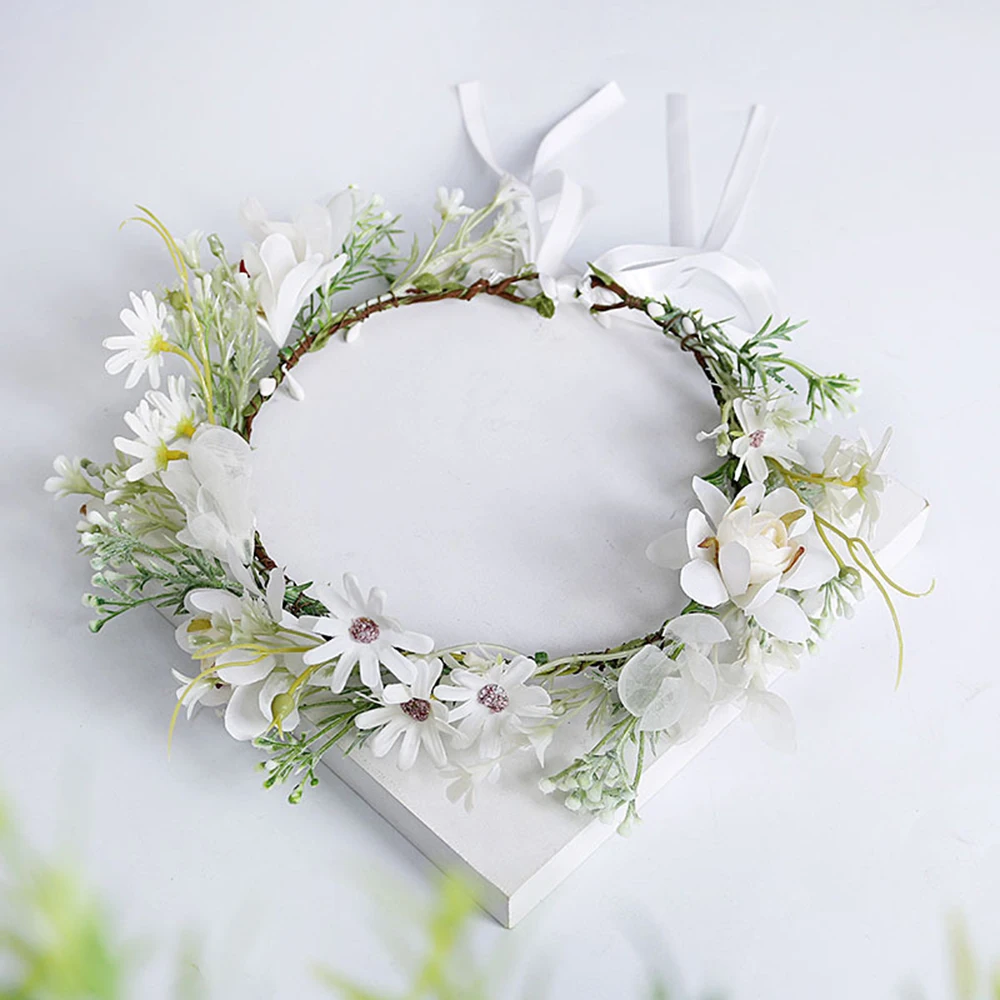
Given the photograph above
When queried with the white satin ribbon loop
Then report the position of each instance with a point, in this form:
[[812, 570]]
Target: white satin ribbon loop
[[555, 204], [654, 270]]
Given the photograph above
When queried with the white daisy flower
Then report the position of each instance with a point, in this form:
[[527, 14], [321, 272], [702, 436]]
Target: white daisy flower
[[496, 708], [143, 350], [409, 711], [360, 633], [151, 445], [181, 409]]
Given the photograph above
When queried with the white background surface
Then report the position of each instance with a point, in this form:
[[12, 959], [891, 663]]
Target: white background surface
[[828, 874]]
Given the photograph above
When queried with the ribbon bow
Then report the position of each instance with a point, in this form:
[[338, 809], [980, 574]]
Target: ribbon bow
[[652, 270], [554, 204]]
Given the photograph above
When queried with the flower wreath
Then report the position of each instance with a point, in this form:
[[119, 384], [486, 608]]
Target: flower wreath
[[776, 550]]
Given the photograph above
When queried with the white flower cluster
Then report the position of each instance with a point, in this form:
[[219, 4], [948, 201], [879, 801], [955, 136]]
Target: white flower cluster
[[760, 565], [261, 662]]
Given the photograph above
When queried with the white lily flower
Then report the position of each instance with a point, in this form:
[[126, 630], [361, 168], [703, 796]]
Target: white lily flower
[[771, 426], [213, 487], [409, 711], [294, 259], [855, 495], [497, 709], [228, 632], [749, 552], [361, 633], [144, 349]]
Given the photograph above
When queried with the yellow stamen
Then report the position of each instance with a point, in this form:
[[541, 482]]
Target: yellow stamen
[[790, 517], [711, 543]]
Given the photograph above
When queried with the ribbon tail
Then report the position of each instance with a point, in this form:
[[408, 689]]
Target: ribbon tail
[[470, 101], [576, 124], [741, 178]]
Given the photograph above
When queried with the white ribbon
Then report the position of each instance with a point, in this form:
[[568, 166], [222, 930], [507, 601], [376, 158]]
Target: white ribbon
[[555, 204], [653, 270]]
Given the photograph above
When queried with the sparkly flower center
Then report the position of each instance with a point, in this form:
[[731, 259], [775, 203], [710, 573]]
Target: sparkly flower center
[[493, 697], [363, 630], [756, 439], [417, 708]]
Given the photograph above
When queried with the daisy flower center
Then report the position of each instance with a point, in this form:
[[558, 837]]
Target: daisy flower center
[[493, 697], [156, 344], [162, 455], [185, 428], [417, 708], [757, 439], [363, 630]]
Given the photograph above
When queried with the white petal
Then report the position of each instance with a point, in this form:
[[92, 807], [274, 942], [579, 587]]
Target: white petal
[[702, 583], [701, 669], [712, 499], [411, 746], [698, 529], [814, 568], [666, 707], [669, 550], [772, 718], [784, 619], [244, 667], [752, 495], [414, 642], [244, 719], [781, 501], [699, 628], [641, 678], [734, 564], [374, 717], [759, 594], [384, 740]]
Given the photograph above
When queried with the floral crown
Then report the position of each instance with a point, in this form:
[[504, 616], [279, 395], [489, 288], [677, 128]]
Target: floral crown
[[777, 548]]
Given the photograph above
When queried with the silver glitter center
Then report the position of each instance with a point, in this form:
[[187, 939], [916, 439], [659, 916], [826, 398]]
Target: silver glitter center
[[493, 697], [363, 630], [417, 708]]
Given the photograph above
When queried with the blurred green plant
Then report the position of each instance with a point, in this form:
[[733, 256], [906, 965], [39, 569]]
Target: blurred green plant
[[56, 940], [969, 981], [446, 970]]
